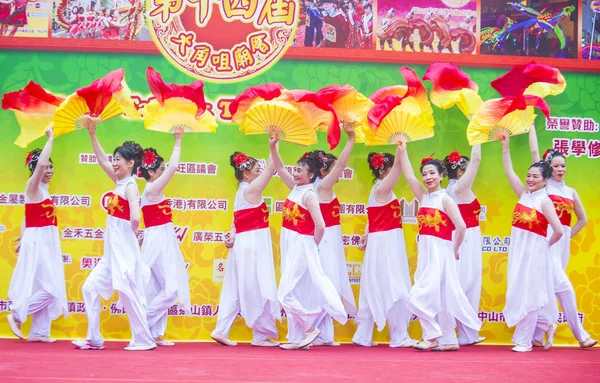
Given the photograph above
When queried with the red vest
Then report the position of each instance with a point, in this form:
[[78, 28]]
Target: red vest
[[251, 219], [297, 218], [470, 213], [40, 214], [529, 219], [117, 206], [157, 214], [435, 223], [386, 217], [564, 208], [331, 212]]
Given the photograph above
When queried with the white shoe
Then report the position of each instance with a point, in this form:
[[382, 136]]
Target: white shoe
[[305, 348], [321, 343], [292, 346], [83, 344], [446, 347], [309, 337], [550, 336], [15, 326], [479, 340], [406, 344], [589, 342], [264, 343], [222, 340], [537, 343], [522, 348], [163, 343], [425, 345], [145, 347], [41, 339]]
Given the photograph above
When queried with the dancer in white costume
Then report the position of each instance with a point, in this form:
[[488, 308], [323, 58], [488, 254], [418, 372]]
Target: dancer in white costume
[[436, 298], [461, 175], [160, 249], [385, 277], [331, 248], [121, 268], [249, 286], [305, 292], [530, 301], [566, 202], [37, 286]]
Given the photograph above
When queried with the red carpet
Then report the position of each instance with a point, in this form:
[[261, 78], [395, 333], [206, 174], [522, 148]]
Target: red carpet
[[209, 362]]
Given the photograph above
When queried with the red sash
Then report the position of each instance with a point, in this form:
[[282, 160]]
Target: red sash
[[386, 217], [157, 214], [297, 218], [117, 206], [564, 208], [470, 213], [435, 223], [251, 219], [331, 212], [40, 214], [529, 219]]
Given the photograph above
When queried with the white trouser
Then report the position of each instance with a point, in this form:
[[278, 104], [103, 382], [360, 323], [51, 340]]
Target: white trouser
[[264, 328], [467, 335], [38, 309], [441, 327], [101, 276], [398, 319], [326, 328], [158, 306], [527, 326], [568, 303]]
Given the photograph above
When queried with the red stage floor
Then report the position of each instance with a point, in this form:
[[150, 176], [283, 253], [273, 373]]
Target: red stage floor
[[209, 362]]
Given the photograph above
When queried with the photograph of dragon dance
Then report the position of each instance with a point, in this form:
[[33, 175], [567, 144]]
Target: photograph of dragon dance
[[590, 39], [529, 28], [438, 26], [100, 19]]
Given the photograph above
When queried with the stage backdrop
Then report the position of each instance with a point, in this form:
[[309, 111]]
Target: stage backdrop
[[203, 191]]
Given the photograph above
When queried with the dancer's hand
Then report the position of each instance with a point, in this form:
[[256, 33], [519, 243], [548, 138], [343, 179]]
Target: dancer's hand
[[362, 244], [456, 255], [49, 132], [230, 240], [90, 125], [18, 246], [178, 134], [349, 129], [273, 142], [140, 236], [505, 141]]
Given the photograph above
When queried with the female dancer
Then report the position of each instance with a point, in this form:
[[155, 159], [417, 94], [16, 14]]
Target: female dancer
[[249, 285], [305, 292], [37, 286], [331, 248], [530, 301], [385, 280], [121, 267], [566, 202], [436, 297], [461, 174], [160, 250]]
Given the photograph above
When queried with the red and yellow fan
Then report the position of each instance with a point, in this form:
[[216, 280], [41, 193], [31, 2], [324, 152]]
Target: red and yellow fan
[[177, 106], [530, 79], [261, 112], [451, 86], [504, 116], [400, 114], [34, 109], [104, 99], [318, 113]]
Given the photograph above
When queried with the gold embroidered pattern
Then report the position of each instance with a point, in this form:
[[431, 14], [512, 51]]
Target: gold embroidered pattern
[[397, 214], [335, 213], [51, 213], [265, 211], [432, 220], [525, 218], [563, 207], [113, 203], [164, 208], [292, 214]]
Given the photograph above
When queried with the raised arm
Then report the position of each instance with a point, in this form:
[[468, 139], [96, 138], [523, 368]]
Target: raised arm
[[156, 187], [335, 173], [465, 183], [513, 179], [312, 205], [533, 145], [580, 214], [383, 191], [100, 155], [254, 192], [133, 195], [451, 209], [285, 176], [33, 184], [408, 171], [550, 214]]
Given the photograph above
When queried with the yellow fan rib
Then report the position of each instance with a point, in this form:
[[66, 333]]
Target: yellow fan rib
[[514, 123], [400, 125], [177, 113]]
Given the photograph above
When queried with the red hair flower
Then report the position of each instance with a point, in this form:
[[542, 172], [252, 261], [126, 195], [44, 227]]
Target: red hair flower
[[30, 157], [426, 159], [546, 153], [454, 157], [305, 155], [377, 161], [240, 159], [149, 159]]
